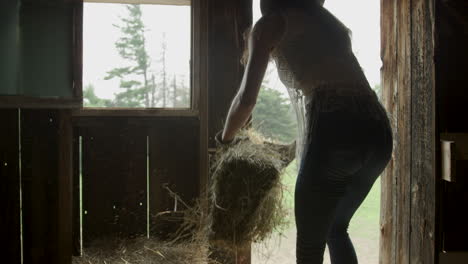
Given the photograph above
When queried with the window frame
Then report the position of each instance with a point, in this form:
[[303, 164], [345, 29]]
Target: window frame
[[195, 72]]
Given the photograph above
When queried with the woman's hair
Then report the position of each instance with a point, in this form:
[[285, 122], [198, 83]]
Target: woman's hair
[[268, 6]]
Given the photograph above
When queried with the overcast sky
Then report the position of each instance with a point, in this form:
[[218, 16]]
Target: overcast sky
[[100, 55]]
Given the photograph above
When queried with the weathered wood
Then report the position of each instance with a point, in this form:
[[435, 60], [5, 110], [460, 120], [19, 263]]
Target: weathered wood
[[135, 112], [228, 22], [10, 187], [46, 186], [37, 102], [114, 180], [388, 73], [395, 203], [403, 127], [423, 133], [408, 197]]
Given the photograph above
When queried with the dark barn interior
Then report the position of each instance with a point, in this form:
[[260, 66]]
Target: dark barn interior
[[126, 156]]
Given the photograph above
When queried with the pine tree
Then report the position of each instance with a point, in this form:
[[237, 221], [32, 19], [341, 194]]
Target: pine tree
[[134, 78], [164, 86]]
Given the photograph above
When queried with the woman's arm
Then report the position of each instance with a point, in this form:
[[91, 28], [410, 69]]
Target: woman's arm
[[266, 34]]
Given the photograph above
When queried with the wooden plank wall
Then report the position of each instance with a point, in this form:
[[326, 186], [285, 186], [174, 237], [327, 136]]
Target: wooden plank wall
[[409, 184], [451, 80], [424, 133], [46, 185], [10, 187], [228, 22], [173, 157], [114, 180], [126, 161]]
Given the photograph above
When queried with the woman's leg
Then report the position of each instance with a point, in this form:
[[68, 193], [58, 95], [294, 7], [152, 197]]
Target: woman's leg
[[321, 185], [339, 243], [379, 153]]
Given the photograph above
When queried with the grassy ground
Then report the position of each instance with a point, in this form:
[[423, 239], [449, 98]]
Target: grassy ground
[[364, 229]]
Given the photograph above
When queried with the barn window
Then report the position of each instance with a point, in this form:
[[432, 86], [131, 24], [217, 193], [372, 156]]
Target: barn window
[[136, 54]]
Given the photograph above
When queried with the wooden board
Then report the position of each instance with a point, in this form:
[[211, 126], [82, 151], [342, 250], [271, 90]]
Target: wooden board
[[451, 78], [408, 205], [395, 203], [114, 180], [229, 21], [46, 186], [10, 187], [423, 133], [174, 161]]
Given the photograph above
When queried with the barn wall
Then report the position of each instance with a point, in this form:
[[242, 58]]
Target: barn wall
[[451, 81], [46, 185], [408, 206], [10, 186]]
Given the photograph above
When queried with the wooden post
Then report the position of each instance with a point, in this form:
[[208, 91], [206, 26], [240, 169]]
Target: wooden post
[[228, 22], [408, 185], [10, 186], [46, 184]]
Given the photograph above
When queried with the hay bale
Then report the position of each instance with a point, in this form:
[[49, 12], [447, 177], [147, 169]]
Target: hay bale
[[246, 191]]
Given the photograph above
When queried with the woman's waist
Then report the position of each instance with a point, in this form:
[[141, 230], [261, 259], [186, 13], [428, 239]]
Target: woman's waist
[[352, 99]]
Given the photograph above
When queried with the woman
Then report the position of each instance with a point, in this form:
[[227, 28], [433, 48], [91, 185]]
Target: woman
[[346, 137]]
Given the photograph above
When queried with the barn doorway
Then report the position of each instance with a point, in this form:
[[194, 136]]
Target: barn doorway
[[364, 228]]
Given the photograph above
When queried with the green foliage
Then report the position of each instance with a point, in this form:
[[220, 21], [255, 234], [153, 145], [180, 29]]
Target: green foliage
[[273, 116]]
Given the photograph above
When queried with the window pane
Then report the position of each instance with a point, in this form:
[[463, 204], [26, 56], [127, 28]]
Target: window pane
[[136, 56]]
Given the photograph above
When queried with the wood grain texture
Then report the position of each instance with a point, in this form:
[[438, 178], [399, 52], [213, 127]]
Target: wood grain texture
[[10, 187], [408, 196], [423, 133], [229, 20], [388, 73]]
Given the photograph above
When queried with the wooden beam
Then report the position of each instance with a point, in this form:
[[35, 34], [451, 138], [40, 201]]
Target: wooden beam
[[408, 197], [423, 133], [46, 185], [173, 161], [229, 20], [10, 187]]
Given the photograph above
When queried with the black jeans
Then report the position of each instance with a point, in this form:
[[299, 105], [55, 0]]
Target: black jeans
[[346, 154]]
